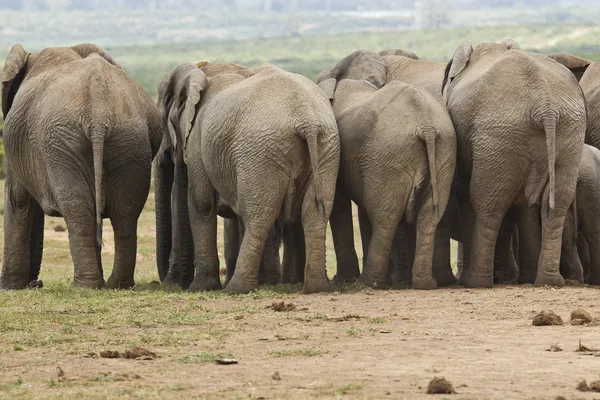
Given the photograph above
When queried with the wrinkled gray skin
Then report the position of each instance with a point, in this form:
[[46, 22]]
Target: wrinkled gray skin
[[528, 159], [397, 164], [588, 215], [266, 142], [79, 139]]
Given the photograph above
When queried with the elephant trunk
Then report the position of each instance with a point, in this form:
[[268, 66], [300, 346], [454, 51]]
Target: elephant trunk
[[163, 185], [182, 251]]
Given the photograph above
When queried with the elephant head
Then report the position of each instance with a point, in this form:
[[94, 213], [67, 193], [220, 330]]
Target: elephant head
[[398, 52], [20, 63], [577, 65], [361, 65]]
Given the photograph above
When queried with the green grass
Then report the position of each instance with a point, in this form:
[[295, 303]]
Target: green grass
[[298, 352]]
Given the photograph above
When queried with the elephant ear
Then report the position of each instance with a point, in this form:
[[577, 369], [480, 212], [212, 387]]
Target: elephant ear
[[511, 45], [85, 49], [178, 96], [188, 99], [399, 52], [13, 75], [460, 59], [577, 65]]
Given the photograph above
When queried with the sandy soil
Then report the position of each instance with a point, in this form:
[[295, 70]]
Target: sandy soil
[[358, 345]]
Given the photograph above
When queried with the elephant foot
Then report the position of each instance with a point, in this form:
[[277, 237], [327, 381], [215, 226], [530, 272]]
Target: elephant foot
[[205, 284], [369, 281], [445, 280], [114, 283], [550, 280], [37, 284], [473, 281], [576, 276], [89, 284], [424, 284], [594, 280], [236, 285], [13, 285], [316, 286], [525, 278]]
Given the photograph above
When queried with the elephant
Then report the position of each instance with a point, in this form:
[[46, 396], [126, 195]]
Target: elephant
[[262, 139], [397, 164], [585, 223], [79, 137], [520, 120], [588, 74]]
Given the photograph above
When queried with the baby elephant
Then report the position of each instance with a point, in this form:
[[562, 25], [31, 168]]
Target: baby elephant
[[397, 164]]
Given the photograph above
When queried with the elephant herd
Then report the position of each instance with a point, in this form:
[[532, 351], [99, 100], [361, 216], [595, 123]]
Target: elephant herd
[[487, 149]]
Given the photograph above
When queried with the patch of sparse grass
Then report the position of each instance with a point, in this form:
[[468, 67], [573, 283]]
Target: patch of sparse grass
[[17, 347], [299, 352], [378, 320], [52, 382], [203, 358], [353, 332], [349, 388], [18, 382]]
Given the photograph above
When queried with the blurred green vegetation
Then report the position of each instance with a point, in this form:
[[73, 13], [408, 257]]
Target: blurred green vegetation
[[308, 55]]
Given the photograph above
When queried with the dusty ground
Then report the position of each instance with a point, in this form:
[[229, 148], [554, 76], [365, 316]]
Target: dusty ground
[[352, 343]]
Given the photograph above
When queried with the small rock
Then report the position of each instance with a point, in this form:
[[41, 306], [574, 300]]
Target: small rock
[[226, 361], [276, 376], [577, 321], [238, 317], [595, 386], [583, 386], [60, 374], [110, 354], [582, 315], [440, 386], [595, 322], [554, 348], [59, 228], [546, 317]]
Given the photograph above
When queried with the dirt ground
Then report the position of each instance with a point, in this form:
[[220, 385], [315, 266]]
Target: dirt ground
[[362, 344], [350, 343]]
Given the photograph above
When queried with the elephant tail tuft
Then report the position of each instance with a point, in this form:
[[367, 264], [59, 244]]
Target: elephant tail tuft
[[429, 136], [311, 141]]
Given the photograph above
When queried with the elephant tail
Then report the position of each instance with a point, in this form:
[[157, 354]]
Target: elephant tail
[[97, 138], [549, 124], [429, 136], [311, 141]]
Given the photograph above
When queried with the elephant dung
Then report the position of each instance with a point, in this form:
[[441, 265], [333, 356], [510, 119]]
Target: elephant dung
[[581, 314], [440, 386], [546, 317]]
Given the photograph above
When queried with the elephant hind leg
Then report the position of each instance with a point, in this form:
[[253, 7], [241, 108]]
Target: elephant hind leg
[[84, 246], [384, 224], [18, 220], [246, 275], [125, 234]]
